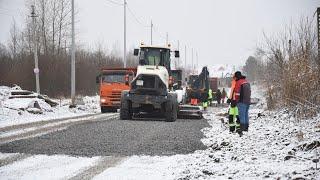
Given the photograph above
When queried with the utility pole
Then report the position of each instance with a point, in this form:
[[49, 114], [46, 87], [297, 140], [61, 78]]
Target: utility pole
[[197, 61], [185, 58], [318, 28], [151, 27], [73, 56], [185, 63], [192, 60], [167, 40], [179, 52], [35, 49], [124, 34]]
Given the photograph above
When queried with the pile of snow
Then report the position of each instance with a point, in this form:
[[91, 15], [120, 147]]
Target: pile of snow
[[30, 108], [26, 103], [91, 104], [4, 92]]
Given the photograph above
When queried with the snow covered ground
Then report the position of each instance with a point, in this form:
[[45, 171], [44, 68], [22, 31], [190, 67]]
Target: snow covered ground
[[276, 146], [271, 149], [11, 113], [46, 167]]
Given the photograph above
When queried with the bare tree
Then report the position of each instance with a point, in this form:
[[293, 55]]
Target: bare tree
[[14, 39], [292, 73]]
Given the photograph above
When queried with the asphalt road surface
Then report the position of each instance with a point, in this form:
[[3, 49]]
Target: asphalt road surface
[[116, 138]]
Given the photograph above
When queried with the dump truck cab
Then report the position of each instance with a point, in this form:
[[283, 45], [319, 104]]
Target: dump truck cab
[[112, 81], [150, 90]]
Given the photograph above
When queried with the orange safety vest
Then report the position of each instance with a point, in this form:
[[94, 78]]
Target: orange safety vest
[[237, 88]]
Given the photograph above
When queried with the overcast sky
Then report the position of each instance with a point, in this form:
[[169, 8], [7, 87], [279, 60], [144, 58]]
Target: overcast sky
[[221, 31]]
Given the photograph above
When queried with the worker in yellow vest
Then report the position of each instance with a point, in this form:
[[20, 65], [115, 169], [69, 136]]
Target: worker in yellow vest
[[205, 105], [209, 97]]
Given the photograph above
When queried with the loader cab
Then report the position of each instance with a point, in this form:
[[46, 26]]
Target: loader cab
[[155, 56]]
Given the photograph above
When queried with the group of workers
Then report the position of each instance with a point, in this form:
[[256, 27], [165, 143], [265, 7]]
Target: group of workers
[[239, 100]]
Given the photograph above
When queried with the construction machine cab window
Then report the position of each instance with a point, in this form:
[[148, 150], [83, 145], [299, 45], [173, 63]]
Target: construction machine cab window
[[155, 57]]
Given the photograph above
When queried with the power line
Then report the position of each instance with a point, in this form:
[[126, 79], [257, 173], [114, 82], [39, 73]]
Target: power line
[[136, 19], [158, 32]]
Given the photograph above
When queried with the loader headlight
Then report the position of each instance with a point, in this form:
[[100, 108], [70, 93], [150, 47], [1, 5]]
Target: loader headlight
[[102, 100]]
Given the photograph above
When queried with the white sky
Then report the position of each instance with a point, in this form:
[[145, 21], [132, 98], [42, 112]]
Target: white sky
[[221, 31]]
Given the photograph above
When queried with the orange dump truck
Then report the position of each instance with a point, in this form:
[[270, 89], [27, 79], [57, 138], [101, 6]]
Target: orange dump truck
[[112, 82]]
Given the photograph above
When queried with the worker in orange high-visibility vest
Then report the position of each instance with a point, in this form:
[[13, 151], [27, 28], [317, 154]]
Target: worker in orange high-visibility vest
[[232, 94], [242, 95], [234, 121]]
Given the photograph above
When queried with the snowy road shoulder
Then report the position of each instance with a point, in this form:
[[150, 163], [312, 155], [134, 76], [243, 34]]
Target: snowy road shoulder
[[46, 167], [22, 131], [271, 149]]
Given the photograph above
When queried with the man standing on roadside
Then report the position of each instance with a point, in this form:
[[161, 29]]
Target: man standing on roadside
[[242, 95]]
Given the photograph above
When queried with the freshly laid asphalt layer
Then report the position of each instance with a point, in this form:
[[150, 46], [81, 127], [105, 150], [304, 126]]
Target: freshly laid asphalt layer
[[117, 138]]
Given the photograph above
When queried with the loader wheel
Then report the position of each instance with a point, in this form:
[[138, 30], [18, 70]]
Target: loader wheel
[[125, 110], [171, 110]]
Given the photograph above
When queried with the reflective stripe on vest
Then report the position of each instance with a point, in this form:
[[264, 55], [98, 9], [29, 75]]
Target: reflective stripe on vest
[[210, 94]]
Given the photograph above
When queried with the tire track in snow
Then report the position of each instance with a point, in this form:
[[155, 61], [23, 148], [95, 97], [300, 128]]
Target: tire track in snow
[[13, 158], [42, 123], [103, 164], [53, 126]]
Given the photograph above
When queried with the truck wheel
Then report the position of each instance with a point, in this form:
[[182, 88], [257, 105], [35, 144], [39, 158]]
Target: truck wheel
[[125, 110], [171, 110]]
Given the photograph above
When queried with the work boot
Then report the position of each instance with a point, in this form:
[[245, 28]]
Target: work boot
[[245, 127], [242, 127], [232, 128]]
